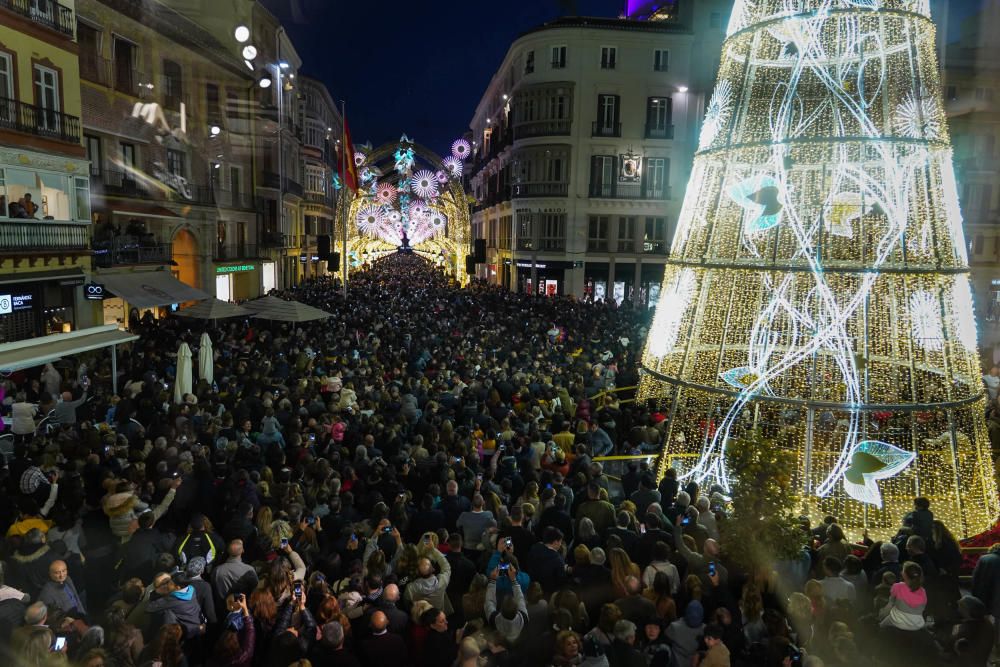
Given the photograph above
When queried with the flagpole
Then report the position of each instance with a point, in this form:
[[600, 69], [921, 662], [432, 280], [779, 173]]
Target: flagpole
[[345, 189]]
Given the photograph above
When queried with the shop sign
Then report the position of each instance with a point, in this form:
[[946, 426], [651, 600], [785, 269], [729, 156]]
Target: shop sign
[[236, 268], [10, 303], [93, 292]]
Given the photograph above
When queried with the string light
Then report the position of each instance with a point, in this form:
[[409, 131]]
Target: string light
[[827, 299]]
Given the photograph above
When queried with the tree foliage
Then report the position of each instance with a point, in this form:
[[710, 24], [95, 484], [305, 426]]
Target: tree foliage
[[762, 527]]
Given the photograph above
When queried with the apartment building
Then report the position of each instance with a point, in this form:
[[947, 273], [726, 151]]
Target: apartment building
[[322, 127], [168, 136], [583, 145], [45, 239]]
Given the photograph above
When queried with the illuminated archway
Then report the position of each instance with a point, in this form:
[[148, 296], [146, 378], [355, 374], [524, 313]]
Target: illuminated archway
[[411, 170]]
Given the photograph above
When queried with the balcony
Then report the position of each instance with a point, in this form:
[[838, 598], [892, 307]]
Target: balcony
[[541, 189], [628, 191], [659, 131], [95, 69], [601, 129], [227, 252], [276, 240], [48, 235], [31, 119], [319, 198], [130, 249], [123, 184], [543, 128], [48, 13], [270, 179]]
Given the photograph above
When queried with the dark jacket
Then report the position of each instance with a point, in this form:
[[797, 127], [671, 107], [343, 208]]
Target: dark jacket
[[386, 650], [439, 649], [398, 619], [180, 607], [621, 654], [463, 571], [11, 617], [140, 553], [545, 566], [28, 571], [209, 546]]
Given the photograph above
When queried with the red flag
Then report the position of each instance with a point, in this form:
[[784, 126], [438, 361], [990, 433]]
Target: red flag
[[348, 170]]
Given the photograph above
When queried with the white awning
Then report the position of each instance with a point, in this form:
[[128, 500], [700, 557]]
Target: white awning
[[37, 351], [145, 289]]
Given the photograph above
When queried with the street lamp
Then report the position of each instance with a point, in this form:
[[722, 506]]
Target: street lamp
[[242, 33]]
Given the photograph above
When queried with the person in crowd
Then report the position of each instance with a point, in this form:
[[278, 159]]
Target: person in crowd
[[60, 593], [412, 482]]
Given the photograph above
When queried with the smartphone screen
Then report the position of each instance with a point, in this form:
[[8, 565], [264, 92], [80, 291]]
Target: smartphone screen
[[642, 528], [59, 644]]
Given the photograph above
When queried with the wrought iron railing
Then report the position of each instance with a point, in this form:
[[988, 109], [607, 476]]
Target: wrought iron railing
[[615, 190], [541, 189], [18, 235], [659, 131], [42, 122], [542, 128], [602, 129], [130, 249], [48, 13]]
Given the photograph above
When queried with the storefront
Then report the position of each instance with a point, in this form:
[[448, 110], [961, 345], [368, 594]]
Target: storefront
[[649, 288], [38, 303], [133, 294], [541, 277], [238, 281], [595, 281]]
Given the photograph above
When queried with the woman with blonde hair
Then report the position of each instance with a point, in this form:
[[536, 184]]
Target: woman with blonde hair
[[530, 494], [622, 568]]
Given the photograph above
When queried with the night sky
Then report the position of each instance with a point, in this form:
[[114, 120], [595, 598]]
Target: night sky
[[422, 68]]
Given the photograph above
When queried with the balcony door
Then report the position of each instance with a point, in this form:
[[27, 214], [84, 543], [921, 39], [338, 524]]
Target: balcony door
[[607, 115], [602, 174], [124, 57], [47, 98], [7, 111]]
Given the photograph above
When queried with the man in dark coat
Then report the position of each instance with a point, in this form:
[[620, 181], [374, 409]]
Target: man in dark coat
[[383, 648], [28, 568], [544, 563]]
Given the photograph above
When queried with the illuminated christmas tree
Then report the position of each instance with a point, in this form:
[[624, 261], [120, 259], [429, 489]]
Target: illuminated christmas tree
[[817, 289]]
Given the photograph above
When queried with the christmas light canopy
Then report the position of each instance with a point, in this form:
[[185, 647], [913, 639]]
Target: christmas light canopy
[[817, 285]]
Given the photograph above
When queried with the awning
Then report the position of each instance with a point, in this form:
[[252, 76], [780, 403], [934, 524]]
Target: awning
[[146, 289], [74, 276], [37, 351]]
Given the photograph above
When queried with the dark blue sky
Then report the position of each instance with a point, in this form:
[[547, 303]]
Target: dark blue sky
[[411, 67], [422, 68]]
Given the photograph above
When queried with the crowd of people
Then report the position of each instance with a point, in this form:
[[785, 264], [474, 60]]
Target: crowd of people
[[413, 482]]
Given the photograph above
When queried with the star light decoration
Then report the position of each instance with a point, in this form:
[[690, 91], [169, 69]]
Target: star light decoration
[[424, 184], [820, 268], [386, 193], [461, 149], [409, 203]]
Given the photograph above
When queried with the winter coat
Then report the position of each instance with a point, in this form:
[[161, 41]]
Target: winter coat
[[179, 607], [29, 570]]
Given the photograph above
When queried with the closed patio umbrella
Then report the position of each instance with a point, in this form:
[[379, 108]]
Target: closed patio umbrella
[[182, 383], [206, 362]]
